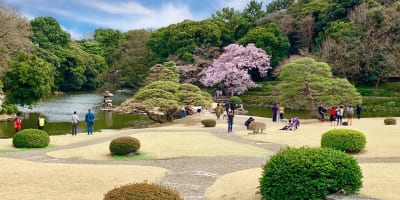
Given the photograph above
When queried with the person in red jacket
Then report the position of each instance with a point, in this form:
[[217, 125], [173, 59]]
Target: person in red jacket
[[17, 124]]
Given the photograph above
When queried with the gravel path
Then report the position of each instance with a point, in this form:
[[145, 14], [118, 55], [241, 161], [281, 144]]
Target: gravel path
[[189, 176]]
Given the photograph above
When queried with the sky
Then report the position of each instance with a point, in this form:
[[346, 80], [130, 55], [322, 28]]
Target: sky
[[81, 17]]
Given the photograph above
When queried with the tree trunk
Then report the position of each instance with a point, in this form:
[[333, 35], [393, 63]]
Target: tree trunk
[[154, 117]]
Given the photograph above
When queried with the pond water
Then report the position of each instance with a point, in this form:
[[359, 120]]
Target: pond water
[[58, 112]]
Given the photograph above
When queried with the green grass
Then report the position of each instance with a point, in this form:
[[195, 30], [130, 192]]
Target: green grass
[[140, 156]]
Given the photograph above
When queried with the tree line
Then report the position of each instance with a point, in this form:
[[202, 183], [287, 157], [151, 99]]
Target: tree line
[[359, 40]]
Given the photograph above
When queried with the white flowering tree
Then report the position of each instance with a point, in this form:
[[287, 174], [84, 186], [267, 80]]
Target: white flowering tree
[[233, 66]]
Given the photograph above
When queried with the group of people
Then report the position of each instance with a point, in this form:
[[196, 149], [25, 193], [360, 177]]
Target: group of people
[[336, 115], [89, 119], [228, 112], [41, 121]]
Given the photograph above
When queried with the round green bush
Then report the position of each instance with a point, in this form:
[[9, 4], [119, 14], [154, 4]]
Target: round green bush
[[142, 191], [346, 140], [31, 138], [235, 99], [208, 122], [389, 121], [124, 145], [309, 173]]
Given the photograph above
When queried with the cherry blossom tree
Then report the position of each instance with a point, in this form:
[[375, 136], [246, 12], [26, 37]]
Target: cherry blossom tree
[[233, 66]]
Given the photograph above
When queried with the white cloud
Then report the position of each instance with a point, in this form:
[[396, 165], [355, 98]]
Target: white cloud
[[236, 4], [75, 34], [168, 14], [119, 7]]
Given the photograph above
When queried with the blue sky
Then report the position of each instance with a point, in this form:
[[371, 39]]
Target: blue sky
[[81, 17]]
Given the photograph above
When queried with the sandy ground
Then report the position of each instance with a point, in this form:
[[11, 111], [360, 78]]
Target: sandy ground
[[382, 140], [43, 180], [165, 145], [380, 181], [30, 180]]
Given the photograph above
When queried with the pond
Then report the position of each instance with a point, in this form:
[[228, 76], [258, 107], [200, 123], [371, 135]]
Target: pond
[[58, 112]]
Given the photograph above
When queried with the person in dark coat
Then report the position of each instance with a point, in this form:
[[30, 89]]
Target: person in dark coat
[[275, 110], [358, 111], [232, 106]]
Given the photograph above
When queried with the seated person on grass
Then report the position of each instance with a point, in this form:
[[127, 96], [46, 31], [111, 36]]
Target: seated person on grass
[[248, 122]]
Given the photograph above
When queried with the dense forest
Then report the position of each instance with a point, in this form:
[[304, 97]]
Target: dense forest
[[359, 40]]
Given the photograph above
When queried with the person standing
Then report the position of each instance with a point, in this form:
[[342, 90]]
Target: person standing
[[183, 112], [350, 113], [321, 111], [232, 106], [332, 115], [339, 115], [227, 108], [281, 113], [218, 111], [274, 113], [41, 121], [17, 124], [358, 110], [89, 119], [75, 123], [230, 121]]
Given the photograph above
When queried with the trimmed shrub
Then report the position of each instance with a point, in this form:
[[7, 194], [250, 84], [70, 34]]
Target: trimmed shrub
[[31, 138], [235, 99], [309, 173], [346, 140], [208, 122], [142, 191], [390, 121], [124, 145]]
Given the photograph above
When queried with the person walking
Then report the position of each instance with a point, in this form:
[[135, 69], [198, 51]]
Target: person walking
[[17, 124], [41, 121], [89, 119], [358, 111], [75, 123], [230, 121]]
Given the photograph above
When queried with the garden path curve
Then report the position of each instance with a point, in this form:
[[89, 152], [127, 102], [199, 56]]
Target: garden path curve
[[189, 176]]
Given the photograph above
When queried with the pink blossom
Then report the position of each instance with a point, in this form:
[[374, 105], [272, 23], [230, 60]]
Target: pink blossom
[[232, 67]]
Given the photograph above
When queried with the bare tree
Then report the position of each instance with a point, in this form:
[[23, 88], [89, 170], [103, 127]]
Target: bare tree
[[14, 35]]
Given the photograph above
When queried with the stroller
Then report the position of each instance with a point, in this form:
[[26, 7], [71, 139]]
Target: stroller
[[294, 124]]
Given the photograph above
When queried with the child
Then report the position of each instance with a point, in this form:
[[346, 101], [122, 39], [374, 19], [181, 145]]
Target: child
[[17, 124]]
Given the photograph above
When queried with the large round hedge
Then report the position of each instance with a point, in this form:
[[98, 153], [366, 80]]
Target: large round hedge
[[124, 145], [142, 191], [309, 173], [347, 140], [31, 138]]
